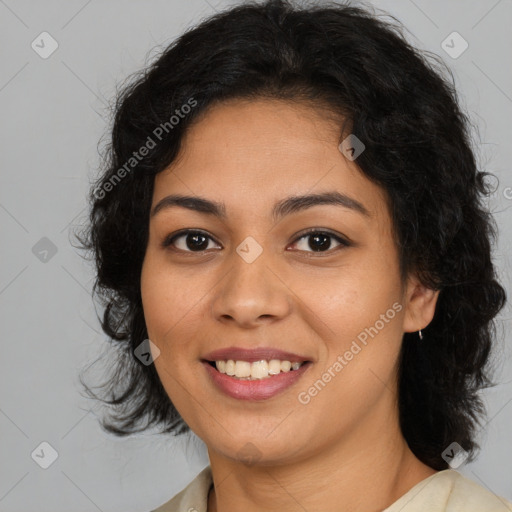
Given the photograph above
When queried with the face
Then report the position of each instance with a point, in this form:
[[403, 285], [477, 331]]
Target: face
[[316, 279]]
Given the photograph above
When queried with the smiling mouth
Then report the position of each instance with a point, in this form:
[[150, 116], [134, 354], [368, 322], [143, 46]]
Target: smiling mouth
[[256, 370]]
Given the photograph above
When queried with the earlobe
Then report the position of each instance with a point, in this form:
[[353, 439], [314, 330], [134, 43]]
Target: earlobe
[[420, 305]]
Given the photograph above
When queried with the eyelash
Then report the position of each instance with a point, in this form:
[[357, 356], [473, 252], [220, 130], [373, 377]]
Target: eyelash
[[168, 241]]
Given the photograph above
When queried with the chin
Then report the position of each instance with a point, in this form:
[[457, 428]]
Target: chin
[[255, 450]]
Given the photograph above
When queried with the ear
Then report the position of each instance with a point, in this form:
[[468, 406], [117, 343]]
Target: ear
[[420, 305]]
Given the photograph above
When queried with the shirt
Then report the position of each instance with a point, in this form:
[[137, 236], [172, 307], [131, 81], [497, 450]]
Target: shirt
[[445, 491]]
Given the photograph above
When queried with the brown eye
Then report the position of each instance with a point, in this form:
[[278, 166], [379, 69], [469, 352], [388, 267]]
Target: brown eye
[[189, 241], [320, 241]]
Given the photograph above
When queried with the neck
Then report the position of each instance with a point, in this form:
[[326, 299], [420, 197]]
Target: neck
[[370, 459]]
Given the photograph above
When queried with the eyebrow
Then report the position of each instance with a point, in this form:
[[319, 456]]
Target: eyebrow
[[282, 208]]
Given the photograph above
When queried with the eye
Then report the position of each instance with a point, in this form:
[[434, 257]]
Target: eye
[[193, 241], [198, 241], [320, 241]]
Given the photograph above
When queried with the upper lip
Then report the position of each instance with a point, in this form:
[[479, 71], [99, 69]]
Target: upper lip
[[252, 355]]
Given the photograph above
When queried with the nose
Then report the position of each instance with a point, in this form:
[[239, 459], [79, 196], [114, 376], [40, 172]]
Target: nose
[[251, 293]]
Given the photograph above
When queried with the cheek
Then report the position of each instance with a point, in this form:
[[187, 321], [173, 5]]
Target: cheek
[[164, 298], [174, 302], [352, 296], [168, 310], [361, 305]]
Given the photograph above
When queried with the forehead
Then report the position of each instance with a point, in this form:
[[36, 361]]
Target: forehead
[[251, 154]]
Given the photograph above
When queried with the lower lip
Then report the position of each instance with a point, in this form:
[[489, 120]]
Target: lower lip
[[260, 389]]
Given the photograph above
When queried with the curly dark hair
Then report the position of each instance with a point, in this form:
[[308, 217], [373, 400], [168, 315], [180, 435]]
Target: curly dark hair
[[402, 105]]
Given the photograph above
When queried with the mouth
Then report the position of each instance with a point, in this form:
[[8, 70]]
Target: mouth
[[256, 374], [255, 370]]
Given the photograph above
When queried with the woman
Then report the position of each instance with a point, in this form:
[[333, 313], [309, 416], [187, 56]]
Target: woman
[[294, 258]]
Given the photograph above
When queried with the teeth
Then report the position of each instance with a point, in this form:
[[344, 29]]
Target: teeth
[[242, 369], [274, 366], [230, 367], [256, 370], [285, 366], [259, 370]]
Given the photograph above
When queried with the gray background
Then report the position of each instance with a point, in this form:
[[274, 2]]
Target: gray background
[[53, 113]]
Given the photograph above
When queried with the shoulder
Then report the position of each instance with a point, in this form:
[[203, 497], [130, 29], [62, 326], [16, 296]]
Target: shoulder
[[450, 491], [193, 498], [445, 491], [473, 496]]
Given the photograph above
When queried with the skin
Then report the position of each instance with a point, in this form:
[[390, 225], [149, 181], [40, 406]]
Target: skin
[[250, 155]]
